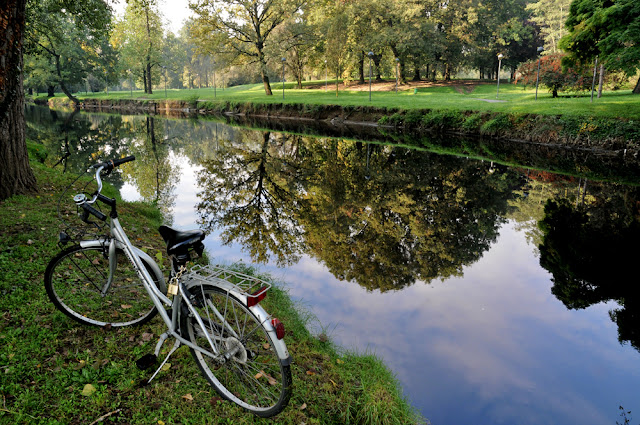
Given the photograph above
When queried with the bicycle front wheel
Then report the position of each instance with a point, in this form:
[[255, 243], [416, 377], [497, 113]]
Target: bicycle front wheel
[[77, 283], [253, 377]]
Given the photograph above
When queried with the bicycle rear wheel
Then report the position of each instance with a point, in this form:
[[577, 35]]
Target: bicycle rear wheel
[[254, 377], [75, 281]]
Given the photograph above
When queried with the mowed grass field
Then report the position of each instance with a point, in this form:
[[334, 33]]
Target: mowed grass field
[[456, 94]]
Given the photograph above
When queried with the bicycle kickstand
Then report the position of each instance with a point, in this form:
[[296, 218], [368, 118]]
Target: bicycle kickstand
[[149, 359]]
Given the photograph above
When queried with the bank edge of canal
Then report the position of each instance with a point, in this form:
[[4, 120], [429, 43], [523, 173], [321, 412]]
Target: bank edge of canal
[[581, 131]]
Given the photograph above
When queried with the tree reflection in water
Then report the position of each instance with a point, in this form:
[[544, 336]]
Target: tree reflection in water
[[592, 251], [248, 191], [378, 215]]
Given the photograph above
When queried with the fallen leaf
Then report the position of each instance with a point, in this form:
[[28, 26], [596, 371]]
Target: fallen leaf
[[160, 422], [146, 336], [88, 390], [188, 397], [126, 306], [266, 346], [258, 375], [166, 366], [304, 406], [96, 262], [339, 361], [310, 372]]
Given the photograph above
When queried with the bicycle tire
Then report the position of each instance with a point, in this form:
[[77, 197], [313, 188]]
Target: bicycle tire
[[73, 281], [254, 378]]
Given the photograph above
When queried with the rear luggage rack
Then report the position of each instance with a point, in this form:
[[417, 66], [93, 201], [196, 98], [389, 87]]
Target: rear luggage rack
[[231, 280]]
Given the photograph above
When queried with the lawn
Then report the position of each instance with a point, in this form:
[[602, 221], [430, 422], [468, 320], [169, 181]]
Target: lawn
[[458, 95]]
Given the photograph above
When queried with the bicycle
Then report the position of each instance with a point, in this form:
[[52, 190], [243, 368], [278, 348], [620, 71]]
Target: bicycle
[[216, 312]]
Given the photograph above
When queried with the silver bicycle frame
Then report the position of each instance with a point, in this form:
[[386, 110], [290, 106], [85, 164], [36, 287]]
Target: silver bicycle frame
[[119, 240]]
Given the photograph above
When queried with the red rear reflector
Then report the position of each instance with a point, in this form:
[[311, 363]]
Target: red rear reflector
[[279, 327], [256, 297]]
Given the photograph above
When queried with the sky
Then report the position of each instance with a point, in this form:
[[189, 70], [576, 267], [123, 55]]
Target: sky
[[174, 12]]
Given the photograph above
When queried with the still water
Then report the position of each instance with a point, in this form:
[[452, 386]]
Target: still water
[[497, 294]]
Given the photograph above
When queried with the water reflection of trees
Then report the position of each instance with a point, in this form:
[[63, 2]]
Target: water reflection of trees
[[381, 216], [247, 190], [591, 250], [153, 173], [74, 141], [386, 217]]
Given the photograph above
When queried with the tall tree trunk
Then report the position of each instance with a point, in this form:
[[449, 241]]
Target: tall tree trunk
[[376, 62], [144, 79], [264, 73], [63, 86], [361, 68], [447, 72], [416, 73], [16, 176], [149, 47], [402, 75], [636, 89], [601, 81], [150, 91], [51, 91]]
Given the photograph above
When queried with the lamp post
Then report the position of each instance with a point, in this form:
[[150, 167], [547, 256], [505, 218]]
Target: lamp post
[[500, 56], [283, 61], [326, 78], [370, 56], [540, 49], [397, 64], [165, 81]]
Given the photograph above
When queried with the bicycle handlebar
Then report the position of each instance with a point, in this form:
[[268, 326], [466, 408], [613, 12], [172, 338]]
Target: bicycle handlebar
[[99, 167], [112, 163], [90, 210]]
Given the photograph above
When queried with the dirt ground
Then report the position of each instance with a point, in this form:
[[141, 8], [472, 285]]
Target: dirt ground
[[462, 86]]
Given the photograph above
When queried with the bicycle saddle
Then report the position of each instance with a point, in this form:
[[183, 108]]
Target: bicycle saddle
[[178, 242]]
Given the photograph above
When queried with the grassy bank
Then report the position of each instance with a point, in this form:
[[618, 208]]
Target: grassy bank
[[454, 95], [46, 359]]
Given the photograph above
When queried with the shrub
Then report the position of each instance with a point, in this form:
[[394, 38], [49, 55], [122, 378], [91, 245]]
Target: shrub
[[498, 123], [472, 122], [554, 75], [443, 119]]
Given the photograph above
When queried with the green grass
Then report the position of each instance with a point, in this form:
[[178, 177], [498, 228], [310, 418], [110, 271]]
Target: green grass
[[514, 99], [46, 359]]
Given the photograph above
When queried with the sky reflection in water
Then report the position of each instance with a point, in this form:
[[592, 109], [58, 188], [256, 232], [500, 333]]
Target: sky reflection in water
[[492, 347]]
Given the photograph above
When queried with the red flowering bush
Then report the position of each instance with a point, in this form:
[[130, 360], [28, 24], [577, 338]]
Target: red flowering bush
[[553, 76]]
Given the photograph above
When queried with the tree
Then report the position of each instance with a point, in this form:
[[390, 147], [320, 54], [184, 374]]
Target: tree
[[72, 34], [554, 76], [607, 29], [550, 15], [139, 38], [244, 27], [16, 177]]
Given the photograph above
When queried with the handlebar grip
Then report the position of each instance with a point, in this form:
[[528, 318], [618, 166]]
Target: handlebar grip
[[88, 208], [117, 162], [112, 163]]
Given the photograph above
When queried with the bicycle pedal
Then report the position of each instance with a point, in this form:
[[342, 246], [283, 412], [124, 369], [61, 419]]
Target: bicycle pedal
[[146, 361]]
